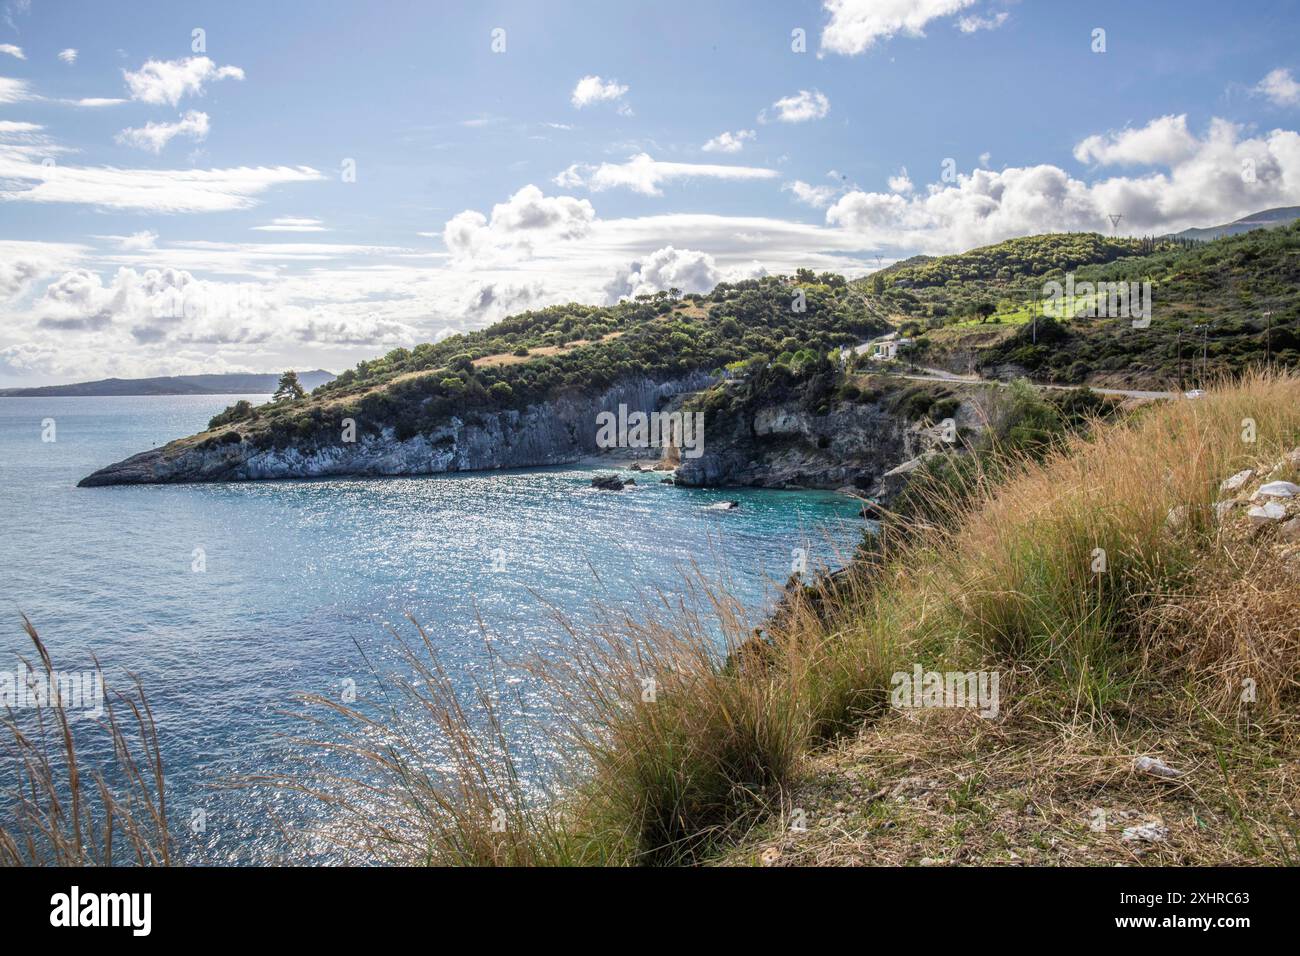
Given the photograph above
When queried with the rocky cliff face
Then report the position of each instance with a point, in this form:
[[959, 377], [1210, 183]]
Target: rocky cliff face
[[557, 432], [786, 446]]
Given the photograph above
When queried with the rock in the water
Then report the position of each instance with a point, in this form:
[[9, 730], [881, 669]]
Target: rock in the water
[[1155, 767], [634, 467], [1266, 514], [608, 483], [666, 481], [1277, 489], [1237, 481], [873, 510], [724, 506]]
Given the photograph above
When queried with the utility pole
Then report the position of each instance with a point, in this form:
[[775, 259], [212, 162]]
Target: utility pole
[[1205, 348]]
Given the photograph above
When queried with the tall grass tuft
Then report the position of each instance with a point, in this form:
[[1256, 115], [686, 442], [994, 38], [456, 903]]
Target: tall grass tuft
[[57, 812]]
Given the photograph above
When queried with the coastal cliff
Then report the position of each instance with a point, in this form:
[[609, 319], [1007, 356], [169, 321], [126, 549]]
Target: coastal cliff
[[820, 428], [556, 432]]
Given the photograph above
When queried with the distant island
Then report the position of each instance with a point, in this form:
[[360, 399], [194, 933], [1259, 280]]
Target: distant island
[[230, 383]]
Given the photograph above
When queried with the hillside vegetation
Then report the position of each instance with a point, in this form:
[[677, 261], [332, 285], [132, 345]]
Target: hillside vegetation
[[538, 355], [1211, 302]]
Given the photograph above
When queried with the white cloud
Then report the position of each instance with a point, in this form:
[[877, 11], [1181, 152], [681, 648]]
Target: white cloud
[[155, 136], [799, 107], [516, 226], [68, 56], [819, 197], [96, 101], [14, 90], [28, 174], [973, 24], [666, 268], [1161, 142], [24, 263], [12, 50], [644, 175], [728, 142], [592, 89], [1201, 182], [901, 183], [150, 190], [1280, 87], [291, 224], [137, 241], [856, 25], [166, 81]]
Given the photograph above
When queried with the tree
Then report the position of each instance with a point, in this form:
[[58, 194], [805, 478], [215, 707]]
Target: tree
[[289, 388]]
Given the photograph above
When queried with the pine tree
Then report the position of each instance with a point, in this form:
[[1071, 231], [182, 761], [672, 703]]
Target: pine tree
[[289, 387]]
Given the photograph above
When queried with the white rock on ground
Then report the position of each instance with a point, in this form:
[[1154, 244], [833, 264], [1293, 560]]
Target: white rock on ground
[[1223, 508], [1237, 481], [1291, 529], [1156, 767], [1145, 833], [1266, 514], [1276, 489]]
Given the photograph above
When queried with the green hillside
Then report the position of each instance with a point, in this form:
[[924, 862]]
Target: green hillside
[[537, 355], [1210, 301]]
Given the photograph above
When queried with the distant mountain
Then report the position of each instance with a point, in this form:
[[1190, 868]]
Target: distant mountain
[[234, 383], [1268, 219]]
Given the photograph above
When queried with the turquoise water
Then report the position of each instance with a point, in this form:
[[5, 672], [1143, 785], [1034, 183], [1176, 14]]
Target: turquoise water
[[300, 578]]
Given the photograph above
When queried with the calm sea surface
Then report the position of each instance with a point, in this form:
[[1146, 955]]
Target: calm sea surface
[[296, 581]]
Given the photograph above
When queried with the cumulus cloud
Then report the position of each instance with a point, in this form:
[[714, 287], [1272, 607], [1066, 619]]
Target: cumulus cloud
[[644, 174], [168, 307], [900, 183], [591, 90], [1280, 87], [11, 50], [68, 56], [857, 25], [166, 81], [22, 264], [516, 226], [154, 136], [819, 197], [798, 108], [1162, 142], [666, 268], [1214, 178], [727, 142]]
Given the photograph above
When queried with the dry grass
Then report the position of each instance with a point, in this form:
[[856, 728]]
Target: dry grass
[[62, 813]]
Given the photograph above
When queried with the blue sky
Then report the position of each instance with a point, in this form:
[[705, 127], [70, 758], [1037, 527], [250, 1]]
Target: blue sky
[[169, 206]]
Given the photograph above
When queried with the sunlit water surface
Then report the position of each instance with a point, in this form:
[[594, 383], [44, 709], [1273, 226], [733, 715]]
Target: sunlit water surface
[[298, 579]]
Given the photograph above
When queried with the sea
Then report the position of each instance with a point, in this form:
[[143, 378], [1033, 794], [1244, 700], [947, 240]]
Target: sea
[[227, 602]]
